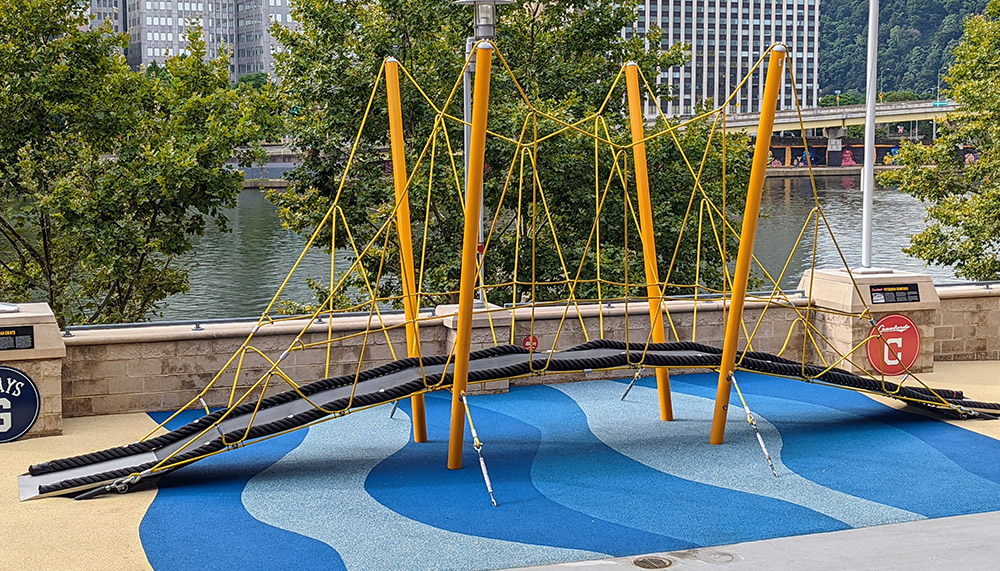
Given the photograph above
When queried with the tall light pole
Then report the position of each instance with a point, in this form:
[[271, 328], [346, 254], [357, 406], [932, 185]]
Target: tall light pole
[[484, 28], [868, 174]]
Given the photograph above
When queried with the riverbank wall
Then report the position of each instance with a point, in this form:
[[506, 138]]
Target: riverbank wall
[[151, 367]]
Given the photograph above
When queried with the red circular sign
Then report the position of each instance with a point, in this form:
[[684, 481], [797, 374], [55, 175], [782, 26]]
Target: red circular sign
[[530, 342], [900, 347]]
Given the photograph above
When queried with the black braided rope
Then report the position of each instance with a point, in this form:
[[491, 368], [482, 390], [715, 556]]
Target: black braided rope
[[207, 421], [631, 354]]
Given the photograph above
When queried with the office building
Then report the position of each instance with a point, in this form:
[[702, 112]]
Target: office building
[[113, 10], [725, 39], [158, 29]]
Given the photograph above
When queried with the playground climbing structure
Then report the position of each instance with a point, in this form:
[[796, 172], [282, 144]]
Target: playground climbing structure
[[510, 242]]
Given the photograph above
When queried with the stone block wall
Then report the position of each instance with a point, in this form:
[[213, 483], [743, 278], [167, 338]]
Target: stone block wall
[[967, 328], [164, 367], [152, 368]]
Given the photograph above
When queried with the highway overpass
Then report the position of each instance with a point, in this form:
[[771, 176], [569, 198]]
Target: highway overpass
[[843, 116]]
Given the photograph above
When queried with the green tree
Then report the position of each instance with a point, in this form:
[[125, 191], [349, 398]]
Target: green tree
[[564, 55], [105, 173], [962, 191], [255, 80], [852, 97], [916, 38]]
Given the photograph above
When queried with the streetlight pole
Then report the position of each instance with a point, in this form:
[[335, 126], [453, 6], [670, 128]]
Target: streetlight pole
[[868, 174], [484, 28]]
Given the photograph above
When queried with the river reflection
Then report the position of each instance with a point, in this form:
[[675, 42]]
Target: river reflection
[[236, 274], [785, 207]]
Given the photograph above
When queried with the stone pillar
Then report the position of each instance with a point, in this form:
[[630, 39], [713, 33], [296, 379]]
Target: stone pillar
[[38, 353], [833, 290]]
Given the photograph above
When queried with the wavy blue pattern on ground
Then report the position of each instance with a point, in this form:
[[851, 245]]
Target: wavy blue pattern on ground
[[848, 442], [318, 490], [613, 501], [681, 448], [638, 495], [414, 483], [198, 521], [952, 441]]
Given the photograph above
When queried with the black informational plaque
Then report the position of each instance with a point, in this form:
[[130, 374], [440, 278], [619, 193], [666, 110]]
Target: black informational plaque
[[17, 338], [895, 293]]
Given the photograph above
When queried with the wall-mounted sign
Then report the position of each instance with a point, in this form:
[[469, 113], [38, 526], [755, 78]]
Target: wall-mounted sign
[[897, 348], [14, 338], [530, 343], [895, 293], [19, 404]]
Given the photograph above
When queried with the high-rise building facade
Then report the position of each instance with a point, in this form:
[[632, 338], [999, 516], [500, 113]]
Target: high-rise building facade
[[158, 29], [725, 39], [113, 10]]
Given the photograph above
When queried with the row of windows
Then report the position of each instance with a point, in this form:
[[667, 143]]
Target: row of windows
[[745, 32], [722, 4], [258, 51], [688, 6], [250, 68], [181, 6], [722, 12]]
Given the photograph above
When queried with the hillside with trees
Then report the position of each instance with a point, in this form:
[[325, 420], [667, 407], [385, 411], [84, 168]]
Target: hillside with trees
[[916, 38]]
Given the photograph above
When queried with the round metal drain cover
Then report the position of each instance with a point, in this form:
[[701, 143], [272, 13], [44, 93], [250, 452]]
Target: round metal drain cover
[[717, 557], [651, 563]]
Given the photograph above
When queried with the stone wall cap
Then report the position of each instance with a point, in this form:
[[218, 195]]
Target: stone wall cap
[[226, 330], [959, 291]]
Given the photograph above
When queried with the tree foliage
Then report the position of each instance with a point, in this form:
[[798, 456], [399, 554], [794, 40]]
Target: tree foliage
[[564, 55], [916, 38], [105, 173], [962, 185], [255, 80]]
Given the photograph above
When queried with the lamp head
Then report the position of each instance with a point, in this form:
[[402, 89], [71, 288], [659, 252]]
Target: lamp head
[[484, 16]]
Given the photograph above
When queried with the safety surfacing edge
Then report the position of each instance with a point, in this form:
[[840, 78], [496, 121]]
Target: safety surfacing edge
[[580, 477]]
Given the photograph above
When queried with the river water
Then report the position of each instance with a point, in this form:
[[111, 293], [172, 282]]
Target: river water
[[236, 274]]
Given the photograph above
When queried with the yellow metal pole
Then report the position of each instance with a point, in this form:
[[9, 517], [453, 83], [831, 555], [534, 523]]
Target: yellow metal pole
[[467, 286], [776, 67], [411, 301], [653, 291]]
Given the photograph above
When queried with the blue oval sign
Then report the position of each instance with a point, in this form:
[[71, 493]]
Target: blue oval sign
[[19, 404]]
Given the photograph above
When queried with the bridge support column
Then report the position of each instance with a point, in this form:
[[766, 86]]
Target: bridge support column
[[653, 291], [734, 321], [411, 299], [470, 244]]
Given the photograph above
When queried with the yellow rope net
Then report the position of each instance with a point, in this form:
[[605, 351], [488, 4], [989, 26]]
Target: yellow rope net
[[581, 301]]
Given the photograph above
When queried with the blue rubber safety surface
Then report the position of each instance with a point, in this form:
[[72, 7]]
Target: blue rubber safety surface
[[578, 473]]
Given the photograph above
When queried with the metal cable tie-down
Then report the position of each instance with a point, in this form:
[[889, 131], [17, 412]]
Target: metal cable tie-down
[[478, 445], [753, 424], [634, 379], [120, 485]]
